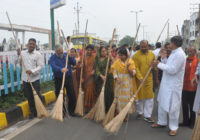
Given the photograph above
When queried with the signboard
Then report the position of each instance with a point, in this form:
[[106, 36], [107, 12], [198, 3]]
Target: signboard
[[56, 3]]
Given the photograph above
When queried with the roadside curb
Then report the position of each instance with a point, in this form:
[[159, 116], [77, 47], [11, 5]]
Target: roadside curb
[[22, 111]]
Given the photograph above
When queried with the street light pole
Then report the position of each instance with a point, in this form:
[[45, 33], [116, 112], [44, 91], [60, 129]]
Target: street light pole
[[143, 31], [136, 13]]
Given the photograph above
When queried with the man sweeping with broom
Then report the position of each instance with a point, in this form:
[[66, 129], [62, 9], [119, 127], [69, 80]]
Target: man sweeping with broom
[[57, 62], [34, 63]]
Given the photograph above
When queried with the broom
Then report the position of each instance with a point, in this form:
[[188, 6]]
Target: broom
[[79, 104], [110, 115], [114, 125], [57, 111], [41, 110], [196, 130], [98, 111]]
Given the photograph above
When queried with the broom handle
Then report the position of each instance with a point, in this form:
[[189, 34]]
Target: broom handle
[[147, 74], [59, 31], [84, 45], [134, 39], [108, 61], [178, 30], [67, 58], [162, 31], [168, 32], [29, 79]]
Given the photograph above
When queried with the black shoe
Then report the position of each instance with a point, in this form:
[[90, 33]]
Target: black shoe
[[183, 124], [72, 114], [191, 126], [32, 116]]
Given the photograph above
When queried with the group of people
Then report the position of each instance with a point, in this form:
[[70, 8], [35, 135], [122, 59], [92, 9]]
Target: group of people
[[175, 74]]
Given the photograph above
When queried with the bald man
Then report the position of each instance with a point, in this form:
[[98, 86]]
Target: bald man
[[143, 59]]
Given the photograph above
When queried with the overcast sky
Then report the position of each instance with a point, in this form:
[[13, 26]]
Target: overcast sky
[[103, 16]]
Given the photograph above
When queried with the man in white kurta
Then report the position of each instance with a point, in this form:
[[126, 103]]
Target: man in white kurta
[[196, 106], [169, 96]]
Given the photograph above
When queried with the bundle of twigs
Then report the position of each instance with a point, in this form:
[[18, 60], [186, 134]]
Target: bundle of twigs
[[57, 111], [79, 105], [114, 125], [196, 130], [111, 112], [41, 110], [98, 111]]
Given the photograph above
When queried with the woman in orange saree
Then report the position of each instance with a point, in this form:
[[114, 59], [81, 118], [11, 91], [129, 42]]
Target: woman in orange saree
[[88, 79]]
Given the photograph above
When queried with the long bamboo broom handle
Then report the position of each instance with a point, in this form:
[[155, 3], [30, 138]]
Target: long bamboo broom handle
[[162, 31], [67, 58], [29, 79], [134, 39], [178, 30], [147, 74], [84, 45], [59, 32], [168, 32], [108, 61]]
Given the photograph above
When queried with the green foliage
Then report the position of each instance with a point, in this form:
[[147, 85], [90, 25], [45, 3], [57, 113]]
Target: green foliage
[[126, 40], [7, 101]]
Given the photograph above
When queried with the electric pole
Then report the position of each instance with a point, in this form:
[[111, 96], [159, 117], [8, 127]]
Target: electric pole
[[77, 10]]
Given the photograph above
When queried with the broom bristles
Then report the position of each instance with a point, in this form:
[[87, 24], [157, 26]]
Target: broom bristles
[[79, 104], [111, 113], [114, 125], [91, 114], [41, 110], [100, 109], [57, 111], [196, 130]]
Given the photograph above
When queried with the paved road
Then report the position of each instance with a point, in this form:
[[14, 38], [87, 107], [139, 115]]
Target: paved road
[[80, 129]]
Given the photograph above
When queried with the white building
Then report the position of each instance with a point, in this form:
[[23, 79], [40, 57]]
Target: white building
[[193, 33]]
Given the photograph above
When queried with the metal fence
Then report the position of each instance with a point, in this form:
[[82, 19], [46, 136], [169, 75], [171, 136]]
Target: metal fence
[[10, 73]]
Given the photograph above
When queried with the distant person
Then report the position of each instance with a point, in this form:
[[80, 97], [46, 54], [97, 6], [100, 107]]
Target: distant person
[[132, 51], [157, 50], [189, 90], [34, 63], [71, 45]]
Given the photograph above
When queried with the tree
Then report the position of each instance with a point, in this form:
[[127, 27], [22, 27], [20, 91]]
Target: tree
[[126, 40]]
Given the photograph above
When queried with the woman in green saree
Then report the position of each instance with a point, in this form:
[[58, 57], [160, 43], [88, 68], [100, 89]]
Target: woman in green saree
[[100, 67]]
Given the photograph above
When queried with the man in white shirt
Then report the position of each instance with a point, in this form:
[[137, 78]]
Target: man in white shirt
[[157, 50], [34, 63], [71, 45], [170, 92]]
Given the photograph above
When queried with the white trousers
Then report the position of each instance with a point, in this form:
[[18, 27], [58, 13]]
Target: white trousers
[[145, 107], [173, 118]]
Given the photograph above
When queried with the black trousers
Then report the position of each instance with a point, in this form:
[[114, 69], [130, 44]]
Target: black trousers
[[28, 93], [187, 106], [70, 92]]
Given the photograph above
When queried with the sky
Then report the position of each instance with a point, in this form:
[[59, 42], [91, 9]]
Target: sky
[[103, 16]]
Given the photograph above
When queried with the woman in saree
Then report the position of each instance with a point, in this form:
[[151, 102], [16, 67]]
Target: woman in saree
[[100, 68], [124, 74], [75, 72], [89, 86]]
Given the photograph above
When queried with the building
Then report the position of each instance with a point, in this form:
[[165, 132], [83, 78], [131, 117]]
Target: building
[[193, 31], [186, 33]]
